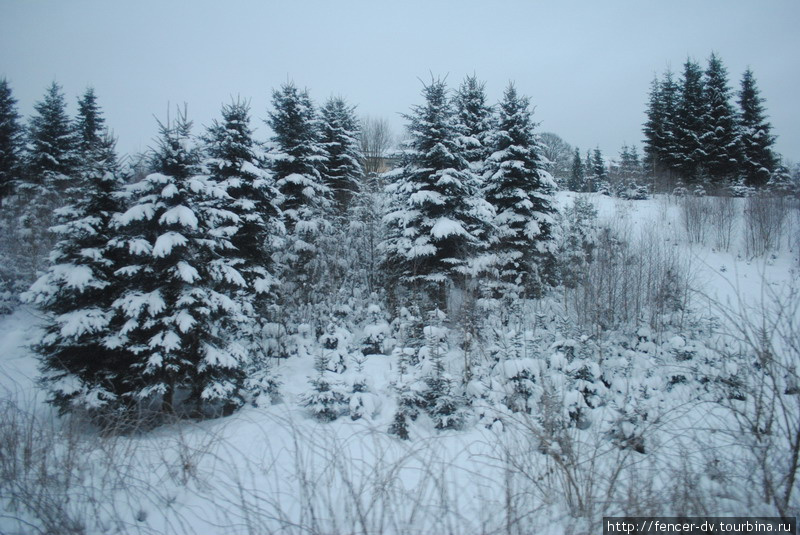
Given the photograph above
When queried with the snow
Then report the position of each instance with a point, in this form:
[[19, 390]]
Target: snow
[[179, 214], [167, 242], [275, 469], [445, 227]]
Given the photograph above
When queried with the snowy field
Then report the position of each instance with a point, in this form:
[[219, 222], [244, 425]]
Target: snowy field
[[659, 425]]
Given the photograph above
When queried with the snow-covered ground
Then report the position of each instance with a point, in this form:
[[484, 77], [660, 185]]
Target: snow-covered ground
[[276, 469]]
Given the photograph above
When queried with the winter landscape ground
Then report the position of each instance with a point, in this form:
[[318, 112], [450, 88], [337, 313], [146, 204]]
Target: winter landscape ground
[[692, 410]]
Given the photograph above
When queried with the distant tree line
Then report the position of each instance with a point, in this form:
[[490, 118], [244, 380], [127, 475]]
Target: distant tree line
[[694, 132]]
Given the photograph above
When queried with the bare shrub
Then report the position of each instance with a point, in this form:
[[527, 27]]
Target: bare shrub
[[631, 279], [764, 223], [760, 406], [723, 216], [695, 216]]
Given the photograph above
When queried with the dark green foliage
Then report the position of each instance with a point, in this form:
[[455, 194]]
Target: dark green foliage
[[720, 139], [52, 148], [758, 159], [11, 134], [690, 127], [577, 177]]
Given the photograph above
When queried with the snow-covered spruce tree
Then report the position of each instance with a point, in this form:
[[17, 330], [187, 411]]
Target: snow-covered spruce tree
[[11, 134], [84, 362], [232, 163], [11, 145], [179, 301], [720, 139], [577, 177], [758, 159], [340, 137], [436, 221], [600, 173], [474, 121], [659, 129], [521, 193], [438, 395], [328, 398], [688, 153], [50, 167], [296, 159]]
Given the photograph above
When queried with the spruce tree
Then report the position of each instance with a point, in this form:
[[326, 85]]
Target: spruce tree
[[52, 149], [179, 302], [720, 139], [435, 220], [577, 176], [599, 172], [84, 361], [474, 120], [340, 137], [50, 170], [688, 153], [521, 193], [233, 164], [11, 134], [660, 128], [297, 158], [758, 159]]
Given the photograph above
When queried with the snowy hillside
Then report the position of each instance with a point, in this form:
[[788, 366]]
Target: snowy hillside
[[550, 415]]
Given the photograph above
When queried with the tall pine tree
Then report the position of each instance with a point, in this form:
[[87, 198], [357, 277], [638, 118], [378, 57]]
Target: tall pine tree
[[577, 177], [179, 302], [688, 152], [233, 165], [83, 359], [11, 134], [474, 120], [297, 158], [758, 159], [340, 137], [720, 139], [435, 226], [521, 193]]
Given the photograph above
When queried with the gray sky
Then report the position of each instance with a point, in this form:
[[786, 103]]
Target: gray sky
[[586, 65]]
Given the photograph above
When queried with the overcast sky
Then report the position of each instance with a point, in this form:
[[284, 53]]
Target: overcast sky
[[587, 65]]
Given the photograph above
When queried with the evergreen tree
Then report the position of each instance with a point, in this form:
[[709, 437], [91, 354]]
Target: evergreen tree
[[50, 171], [474, 120], [758, 159], [590, 182], [340, 136], [600, 173], [233, 164], [521, 193], [435, 221], [660, 127], [11, 134], [688, 153], [297, 157], [83, 358], [577, 178], [179, 302], [52, 145], [720, 139], [90, 125]]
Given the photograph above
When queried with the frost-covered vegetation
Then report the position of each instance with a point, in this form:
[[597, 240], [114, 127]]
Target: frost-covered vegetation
[[271, 336]]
